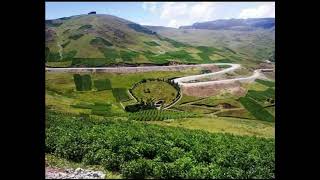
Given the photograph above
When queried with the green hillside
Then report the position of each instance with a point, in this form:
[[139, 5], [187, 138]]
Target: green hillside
[[104, 40], [257, 45]]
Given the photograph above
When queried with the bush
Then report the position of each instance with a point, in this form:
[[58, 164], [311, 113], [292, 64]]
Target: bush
[[137, 169], [141, 150]]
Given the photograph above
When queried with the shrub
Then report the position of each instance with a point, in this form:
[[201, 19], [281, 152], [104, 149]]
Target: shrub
[[124, 146], [139, 168]]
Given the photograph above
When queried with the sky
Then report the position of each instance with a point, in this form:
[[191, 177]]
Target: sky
[[170, 14]]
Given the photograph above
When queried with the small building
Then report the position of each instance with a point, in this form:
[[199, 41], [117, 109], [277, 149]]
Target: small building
[[92, 12]]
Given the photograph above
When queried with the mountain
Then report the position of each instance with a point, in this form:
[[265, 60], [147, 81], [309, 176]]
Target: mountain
[[93, 40], [234, 24], [253, 38]]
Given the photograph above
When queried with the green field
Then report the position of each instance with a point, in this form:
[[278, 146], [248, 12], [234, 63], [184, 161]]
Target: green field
[[155, 90]]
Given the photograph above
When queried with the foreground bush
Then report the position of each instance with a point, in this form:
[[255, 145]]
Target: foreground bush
[[140, 150]]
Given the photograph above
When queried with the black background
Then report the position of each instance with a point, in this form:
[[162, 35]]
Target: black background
[[22, 58]]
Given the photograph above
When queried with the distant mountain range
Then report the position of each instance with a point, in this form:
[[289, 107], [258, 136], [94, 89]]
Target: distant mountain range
[[234, 24]]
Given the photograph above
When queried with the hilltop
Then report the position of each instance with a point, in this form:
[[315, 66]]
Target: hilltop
[[94, 40]]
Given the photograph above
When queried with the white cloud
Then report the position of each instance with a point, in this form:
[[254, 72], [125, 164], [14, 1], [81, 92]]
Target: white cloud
[[266, 10], [177, 14]]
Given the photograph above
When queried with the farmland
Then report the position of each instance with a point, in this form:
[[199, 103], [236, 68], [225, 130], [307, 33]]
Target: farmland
[[141, 150], [135, 102]]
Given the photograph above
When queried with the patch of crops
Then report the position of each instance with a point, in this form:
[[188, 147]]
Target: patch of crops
[[157, 115], [53, 56], [256, 109], [140, 28], [205, 57], [174, 43], [83, 83], [65, 44], [102, 84], [75, 36], [100, 41], [84, 27], [82, 105], [152, 43], [110, 54], [139, 150], [128, 55], [181, 55], [121, 94], [261, 96], [266, 83], [69, 55]]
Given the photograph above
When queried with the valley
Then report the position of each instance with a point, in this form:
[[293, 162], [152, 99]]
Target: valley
[[135, 101]]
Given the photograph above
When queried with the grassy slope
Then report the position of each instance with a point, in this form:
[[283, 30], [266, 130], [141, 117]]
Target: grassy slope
[[254, 44], [224, 124], [123, 38]]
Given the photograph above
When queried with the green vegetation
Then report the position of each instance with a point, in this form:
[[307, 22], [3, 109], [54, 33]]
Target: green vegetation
[[75, 36], [256, 109], [214, 124], [84, 27], [102, 84], [65, 44], [174, 43], [140, 150], [141, 29], [110, 54], [266, 83], [82, 83], [157, 115], [155, 90], [128, 55], [121, 94], [152, 43], [100, 42], [90, 62]]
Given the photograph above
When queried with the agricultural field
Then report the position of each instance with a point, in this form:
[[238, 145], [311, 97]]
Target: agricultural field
[[116, 107], [155, 90]]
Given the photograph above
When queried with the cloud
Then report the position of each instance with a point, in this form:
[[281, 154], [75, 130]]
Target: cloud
[[176, 14], [266, 10]]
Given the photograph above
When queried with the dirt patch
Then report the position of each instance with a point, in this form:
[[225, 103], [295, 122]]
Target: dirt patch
[[214, 89]]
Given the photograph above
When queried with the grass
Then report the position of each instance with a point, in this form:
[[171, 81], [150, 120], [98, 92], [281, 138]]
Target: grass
[[224, 125], [156, 90], [128, 55]]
